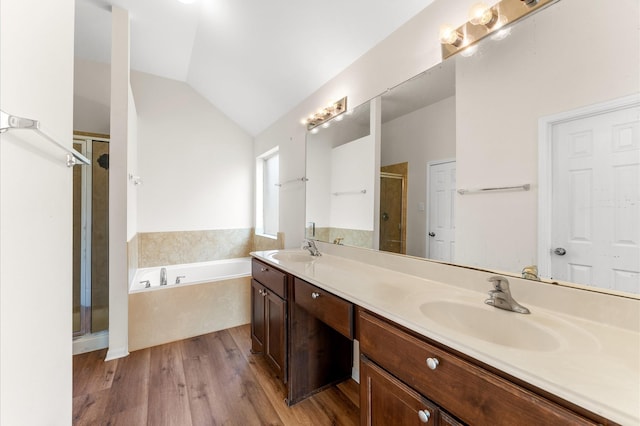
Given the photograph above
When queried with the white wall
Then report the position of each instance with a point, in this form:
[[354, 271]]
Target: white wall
[[520, 80], [410, 50], [197, 166], [122, 111], [36, 81], [419, 137], [91, 96]]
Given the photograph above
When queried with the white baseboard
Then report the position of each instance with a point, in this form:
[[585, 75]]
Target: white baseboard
[[115, 353]]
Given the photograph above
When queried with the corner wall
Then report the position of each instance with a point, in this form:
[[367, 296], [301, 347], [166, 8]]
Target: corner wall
[[36, 81]]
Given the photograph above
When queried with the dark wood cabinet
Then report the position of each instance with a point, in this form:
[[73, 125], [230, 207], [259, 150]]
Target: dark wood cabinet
[[269, 316], [463, 388], [275, 351], [258, 318], [385, 400], [305, 333]]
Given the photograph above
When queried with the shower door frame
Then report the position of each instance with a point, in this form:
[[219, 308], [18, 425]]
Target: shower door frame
[[85, 238]]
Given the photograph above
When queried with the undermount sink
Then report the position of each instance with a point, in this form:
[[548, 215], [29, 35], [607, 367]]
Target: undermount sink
[[492, 325], [293, 256]]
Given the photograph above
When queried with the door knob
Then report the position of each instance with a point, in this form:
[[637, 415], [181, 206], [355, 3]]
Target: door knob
[[432, 234], [560, 251]]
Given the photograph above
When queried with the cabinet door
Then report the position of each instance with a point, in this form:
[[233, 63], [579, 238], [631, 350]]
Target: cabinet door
[[275, 345], [258, 324], [384, 400]]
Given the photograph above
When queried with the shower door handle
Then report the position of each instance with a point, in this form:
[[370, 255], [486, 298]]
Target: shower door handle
[[432, 234]]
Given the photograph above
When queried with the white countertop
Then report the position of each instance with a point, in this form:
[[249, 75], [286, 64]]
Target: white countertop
[[590, 363]]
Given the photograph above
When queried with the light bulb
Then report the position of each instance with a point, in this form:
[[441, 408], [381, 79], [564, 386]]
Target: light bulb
[[449, 35], [481, 14]]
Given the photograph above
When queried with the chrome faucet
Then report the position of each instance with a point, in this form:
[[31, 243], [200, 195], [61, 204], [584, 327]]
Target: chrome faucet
[[530, 273], [311, 246], [179, 278], [500, 296], [163, 276]]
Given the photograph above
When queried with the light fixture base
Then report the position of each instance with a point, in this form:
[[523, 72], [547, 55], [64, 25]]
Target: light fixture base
[[327, 113], [505, 12]]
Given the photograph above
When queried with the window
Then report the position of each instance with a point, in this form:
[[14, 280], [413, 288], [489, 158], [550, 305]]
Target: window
[[267, 193]]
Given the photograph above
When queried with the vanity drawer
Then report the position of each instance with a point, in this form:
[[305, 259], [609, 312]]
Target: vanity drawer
[[473, 394], [328, 308], [269, 277]]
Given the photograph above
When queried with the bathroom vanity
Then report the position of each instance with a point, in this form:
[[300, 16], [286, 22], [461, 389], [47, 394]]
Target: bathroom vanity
[[304, 332], [431, 351]]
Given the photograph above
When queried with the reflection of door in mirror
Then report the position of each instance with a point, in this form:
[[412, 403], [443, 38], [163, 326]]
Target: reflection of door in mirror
[[595, 187], [393, 208], [441, 218]]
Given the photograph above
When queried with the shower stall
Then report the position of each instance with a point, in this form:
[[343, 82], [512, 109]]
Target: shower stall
[[91, 245]]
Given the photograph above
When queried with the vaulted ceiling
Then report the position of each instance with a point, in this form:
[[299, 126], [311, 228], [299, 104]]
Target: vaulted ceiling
[[253, 59]]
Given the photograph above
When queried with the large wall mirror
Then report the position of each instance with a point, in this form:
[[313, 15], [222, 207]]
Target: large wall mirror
[[549, 110]]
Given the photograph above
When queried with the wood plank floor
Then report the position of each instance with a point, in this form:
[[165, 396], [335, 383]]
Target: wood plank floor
[[206, 380]]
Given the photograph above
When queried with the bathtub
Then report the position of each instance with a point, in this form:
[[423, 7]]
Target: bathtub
[[212, 296], [191, 273]]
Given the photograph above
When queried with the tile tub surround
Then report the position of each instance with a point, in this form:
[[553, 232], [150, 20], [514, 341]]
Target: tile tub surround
[[596, 366], [180, 247], [261, 242], [132, 257], [175, 313], [350, 237]]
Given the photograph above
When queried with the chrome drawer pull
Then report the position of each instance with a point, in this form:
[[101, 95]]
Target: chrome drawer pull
[[315, 295], [432, 363], [424, 416]]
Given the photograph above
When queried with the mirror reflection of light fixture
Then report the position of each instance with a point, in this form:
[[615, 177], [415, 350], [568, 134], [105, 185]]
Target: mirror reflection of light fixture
[[485, 20], [325, 114]]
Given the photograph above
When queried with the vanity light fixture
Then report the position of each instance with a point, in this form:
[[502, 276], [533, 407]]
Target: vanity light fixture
[[485, 20], [325, 114]]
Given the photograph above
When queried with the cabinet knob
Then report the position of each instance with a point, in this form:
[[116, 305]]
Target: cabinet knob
[[264, 269], [315, 295], [424, 416], [432, 363]]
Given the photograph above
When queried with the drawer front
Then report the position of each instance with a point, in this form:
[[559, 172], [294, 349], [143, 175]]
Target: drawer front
[[269, 277], [469, 392], [328, 308]]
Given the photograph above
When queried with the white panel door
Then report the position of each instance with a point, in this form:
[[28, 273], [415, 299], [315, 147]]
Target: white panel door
[[596, 200], [440, 222]]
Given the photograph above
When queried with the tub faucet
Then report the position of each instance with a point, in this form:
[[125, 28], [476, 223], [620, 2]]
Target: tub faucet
[[163, 276], [500, 296], [311, 246], [179, 277]]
